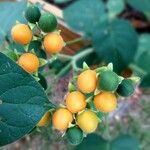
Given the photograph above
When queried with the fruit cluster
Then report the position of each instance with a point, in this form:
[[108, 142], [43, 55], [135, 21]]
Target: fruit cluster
[[90, 93], [46, 26]]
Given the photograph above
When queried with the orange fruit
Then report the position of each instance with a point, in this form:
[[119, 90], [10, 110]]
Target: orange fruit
[[53, 43], [29, 62], [44, 120], [61, 119], [75, 101], [21, 33], [105, 102], [87, 81], [87, 121]]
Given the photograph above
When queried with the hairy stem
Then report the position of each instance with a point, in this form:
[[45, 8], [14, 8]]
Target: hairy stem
[[75, 40]]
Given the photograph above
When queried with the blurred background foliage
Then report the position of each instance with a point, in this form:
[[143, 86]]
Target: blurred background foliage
[[118, 31]]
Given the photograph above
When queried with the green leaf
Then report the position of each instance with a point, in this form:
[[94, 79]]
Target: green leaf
[[93, 142], [90, 104], [61, 68], [141, 60], [23, 101], [101, 115], [142, 57], [116, 42], [11, 54], [141, 5], [144, 61], [42, 81], [61, 1], [145, 83], [43, 62], [115, 7], [84, 15], [71, 87], [124, 142], [10, 12], [16, 47], [90, 59], [85, 66], [37, 47]]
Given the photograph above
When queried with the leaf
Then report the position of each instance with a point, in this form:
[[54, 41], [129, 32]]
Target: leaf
[[116, 42], [145, 83], [141, 60], [141, 5], [16, 47], [84, 15], [43, 62], [90, 59], [115, 7], [144, 61], [10, 12], [93, 142], [101, 115], [11, 54], [23, 101], [42, 81], [124, 142], [85, 66], [61, 1], [142, 57], [37, 47], [61, 68]]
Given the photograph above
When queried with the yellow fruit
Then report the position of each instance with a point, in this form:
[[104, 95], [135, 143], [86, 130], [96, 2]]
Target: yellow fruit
[[21, 33], [44, 120], [105, 102], [87, 121], [53, 43], [29, 62], [75, 101], [61, 119], [87, 81]]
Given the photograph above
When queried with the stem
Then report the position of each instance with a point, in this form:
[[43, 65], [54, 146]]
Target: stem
[[47, 73], [79, 56], [83, 53], [137, 69], [75, 41], [63, 71], [64, 56], [73, 60], [107, 132]]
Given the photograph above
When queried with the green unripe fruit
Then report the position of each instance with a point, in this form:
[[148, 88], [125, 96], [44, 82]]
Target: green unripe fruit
[[32, 14], [74, 135], [47, 22], [108, 81], [126, 88]]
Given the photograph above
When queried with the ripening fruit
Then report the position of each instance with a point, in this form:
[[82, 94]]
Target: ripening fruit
[[47, 22], [87, 121], [32, 14], [21, 33], [126, 88], [29, 62], [53, 43], [44, 120], [105, 102], [75, 101], [61, 119], [108, 81], [74, 135], [87, 81]]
